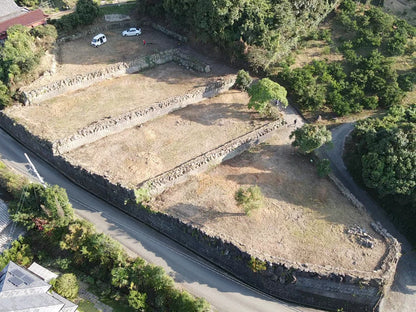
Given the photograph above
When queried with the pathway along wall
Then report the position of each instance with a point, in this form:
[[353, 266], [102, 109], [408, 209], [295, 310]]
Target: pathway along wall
[[321, 287]]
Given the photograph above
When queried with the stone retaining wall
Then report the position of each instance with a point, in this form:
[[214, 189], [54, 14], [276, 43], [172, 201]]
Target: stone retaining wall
[[109, 126], [322, 287], [158, 184], [56, 88]]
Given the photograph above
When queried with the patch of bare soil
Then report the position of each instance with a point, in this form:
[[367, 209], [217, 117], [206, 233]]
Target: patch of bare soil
[[304, 217], [79, 57], [166, 142], [315, 50], [64, 115]]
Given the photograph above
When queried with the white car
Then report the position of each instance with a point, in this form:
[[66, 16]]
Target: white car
[[132, 32], [98, 40]]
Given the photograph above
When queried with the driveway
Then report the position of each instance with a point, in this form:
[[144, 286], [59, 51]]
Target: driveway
[[402, 297]]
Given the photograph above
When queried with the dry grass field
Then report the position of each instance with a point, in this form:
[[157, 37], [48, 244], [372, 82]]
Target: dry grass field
[[65, 114], [166, 142], [304, 217]]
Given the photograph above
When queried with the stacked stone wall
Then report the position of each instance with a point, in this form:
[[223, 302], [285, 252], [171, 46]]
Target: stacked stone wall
[[158, 184], [56, 88], [322, 287], [109, 126]]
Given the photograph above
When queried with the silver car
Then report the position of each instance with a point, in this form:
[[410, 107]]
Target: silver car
[[132, 32]]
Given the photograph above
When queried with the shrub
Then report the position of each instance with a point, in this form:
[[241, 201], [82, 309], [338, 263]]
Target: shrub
[[142, 195], [137, 300], [5, 98], [66, 285], [250, 198], [19, 253], [243, 80], [406, 81], [257, 265], [324, 167]]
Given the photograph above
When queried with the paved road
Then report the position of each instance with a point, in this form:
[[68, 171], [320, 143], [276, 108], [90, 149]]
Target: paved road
[[188, 270], [402, 297]]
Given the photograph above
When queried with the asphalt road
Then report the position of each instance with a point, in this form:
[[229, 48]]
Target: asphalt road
[[402, 297], [189, 271]]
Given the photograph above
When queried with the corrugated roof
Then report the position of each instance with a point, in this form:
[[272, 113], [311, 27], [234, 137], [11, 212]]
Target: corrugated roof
[[35, 17]]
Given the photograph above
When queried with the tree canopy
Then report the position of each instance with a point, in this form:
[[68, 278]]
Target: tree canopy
[[263, 93], [310, 137], [381, 154]]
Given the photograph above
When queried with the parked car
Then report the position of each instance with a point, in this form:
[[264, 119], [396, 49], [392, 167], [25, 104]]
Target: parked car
[[98, 40], [132, 32]]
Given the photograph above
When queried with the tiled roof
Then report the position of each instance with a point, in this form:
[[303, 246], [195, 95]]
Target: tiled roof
[[21, 290], [35, 17]]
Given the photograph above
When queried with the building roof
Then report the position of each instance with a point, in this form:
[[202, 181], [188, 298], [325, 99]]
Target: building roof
[[38, 302], [10, 9], [43, 273], [16, 281], [31, 18], [21, 290]]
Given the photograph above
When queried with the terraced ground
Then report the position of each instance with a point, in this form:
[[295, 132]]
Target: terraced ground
[[303, 219]]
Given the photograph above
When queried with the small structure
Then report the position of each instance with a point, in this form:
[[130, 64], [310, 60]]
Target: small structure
[[22, 290], [11, 14]]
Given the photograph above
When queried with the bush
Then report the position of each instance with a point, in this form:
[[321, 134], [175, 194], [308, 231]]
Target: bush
[[324, 167], [5, 98], [406, 81], [250, 198], [19, 253], [243, 80], [137, 300], [66, 285], [257, 265]]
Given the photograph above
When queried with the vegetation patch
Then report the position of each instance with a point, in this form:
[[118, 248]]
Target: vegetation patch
[[250, 199], [69, 244], [381, 155]]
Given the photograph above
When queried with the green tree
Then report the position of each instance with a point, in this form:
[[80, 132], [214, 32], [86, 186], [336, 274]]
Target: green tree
[[18, 54], [381, 155], [66, 285], [310, 137], [263, 93], [87, 11]]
